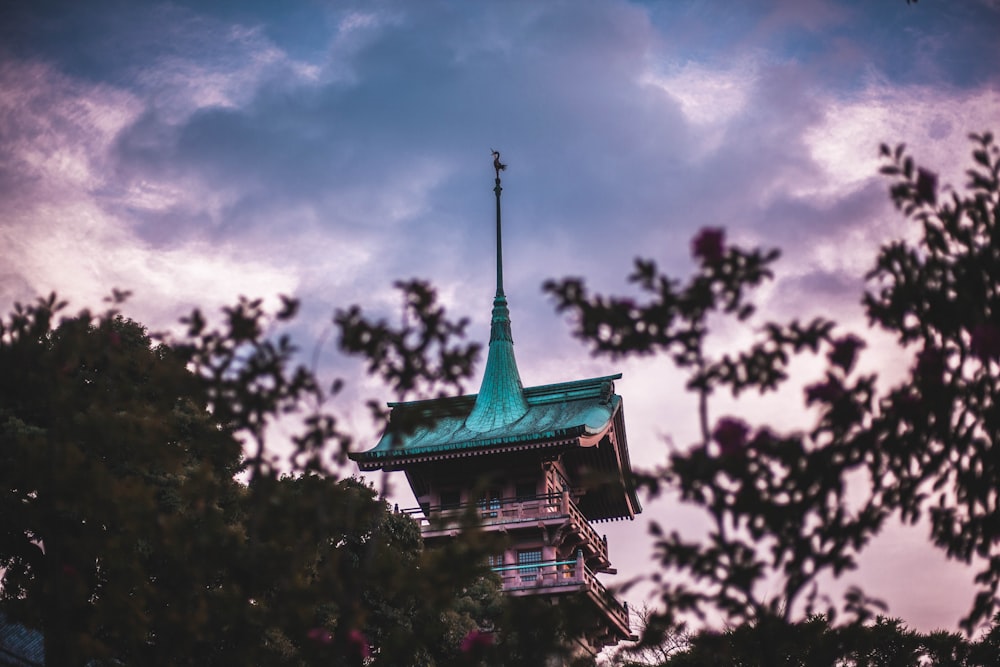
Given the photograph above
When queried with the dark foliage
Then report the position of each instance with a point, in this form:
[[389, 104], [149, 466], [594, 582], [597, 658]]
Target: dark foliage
[[813, 642], [144, 520], [779, 503]]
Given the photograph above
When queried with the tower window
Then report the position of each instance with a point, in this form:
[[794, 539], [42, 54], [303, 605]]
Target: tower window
[[490, 503], [528, 557]]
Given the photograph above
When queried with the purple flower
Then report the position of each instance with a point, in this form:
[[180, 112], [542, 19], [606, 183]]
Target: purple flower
[[709, 244], [926, 186], [985, 342], [476, 640], [357, 640], [845, 351], [320, 635], [731, 434]]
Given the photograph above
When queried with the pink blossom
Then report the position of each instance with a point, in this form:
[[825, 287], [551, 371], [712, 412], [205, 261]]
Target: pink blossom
[[357, 640], [731, 434], [985, 342], [709, 244], [320, 635], [476, 640]]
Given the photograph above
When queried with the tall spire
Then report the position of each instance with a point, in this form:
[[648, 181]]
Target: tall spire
[[501, 397]]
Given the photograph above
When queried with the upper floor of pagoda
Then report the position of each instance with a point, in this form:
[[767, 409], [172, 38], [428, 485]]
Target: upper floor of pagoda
[[581, 421]]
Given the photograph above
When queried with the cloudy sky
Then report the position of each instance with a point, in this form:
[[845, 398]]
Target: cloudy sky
[[195, 151]]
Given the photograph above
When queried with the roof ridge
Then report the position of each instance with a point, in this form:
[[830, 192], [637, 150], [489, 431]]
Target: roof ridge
[[529, 393]]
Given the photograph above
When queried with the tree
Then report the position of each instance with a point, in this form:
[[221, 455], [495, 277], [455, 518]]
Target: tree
[[650, 652], [101, 447], [337, 578], [127, 539], [814, 642], [778, 502]]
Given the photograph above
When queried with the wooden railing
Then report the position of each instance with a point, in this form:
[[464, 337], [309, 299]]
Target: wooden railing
[[572, 574], [497, 511]]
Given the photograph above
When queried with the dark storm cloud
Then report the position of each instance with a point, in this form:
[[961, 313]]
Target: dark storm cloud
[[565, 104]]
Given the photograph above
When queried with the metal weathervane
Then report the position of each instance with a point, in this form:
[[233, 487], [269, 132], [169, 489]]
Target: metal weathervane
[[497, 165]]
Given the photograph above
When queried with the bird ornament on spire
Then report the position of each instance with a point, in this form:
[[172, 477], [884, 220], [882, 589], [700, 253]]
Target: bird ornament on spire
[[497, 164]]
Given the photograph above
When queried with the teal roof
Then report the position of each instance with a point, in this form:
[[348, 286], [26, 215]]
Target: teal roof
[[554, 412]]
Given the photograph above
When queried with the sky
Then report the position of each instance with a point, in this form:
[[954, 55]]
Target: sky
[[192, 152]]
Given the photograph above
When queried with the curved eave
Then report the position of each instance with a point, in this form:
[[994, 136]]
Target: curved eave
[[624, 462], [615, 498], [403, 462], [393, 459]]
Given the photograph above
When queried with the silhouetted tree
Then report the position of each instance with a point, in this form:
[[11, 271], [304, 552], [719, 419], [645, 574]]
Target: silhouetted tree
[[813, 642], [127, 537], [778, 503]]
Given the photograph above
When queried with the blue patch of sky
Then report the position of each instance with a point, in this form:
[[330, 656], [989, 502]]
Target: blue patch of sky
[[953, 44], [96, 41], [956, 41], [300, 29]]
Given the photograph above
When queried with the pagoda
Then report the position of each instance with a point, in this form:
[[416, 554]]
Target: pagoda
[[540, 464]]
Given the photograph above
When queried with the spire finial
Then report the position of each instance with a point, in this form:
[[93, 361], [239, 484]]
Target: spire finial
[[498, 166], [501, 399]]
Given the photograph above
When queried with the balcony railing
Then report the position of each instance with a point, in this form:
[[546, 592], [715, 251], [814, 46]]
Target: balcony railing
[[506, 511], [573, 575]]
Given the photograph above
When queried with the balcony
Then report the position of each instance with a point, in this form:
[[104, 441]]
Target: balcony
[[561, 577], [551, 509]]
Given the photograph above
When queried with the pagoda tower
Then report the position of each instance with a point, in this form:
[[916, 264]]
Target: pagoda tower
[[541, 464]]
